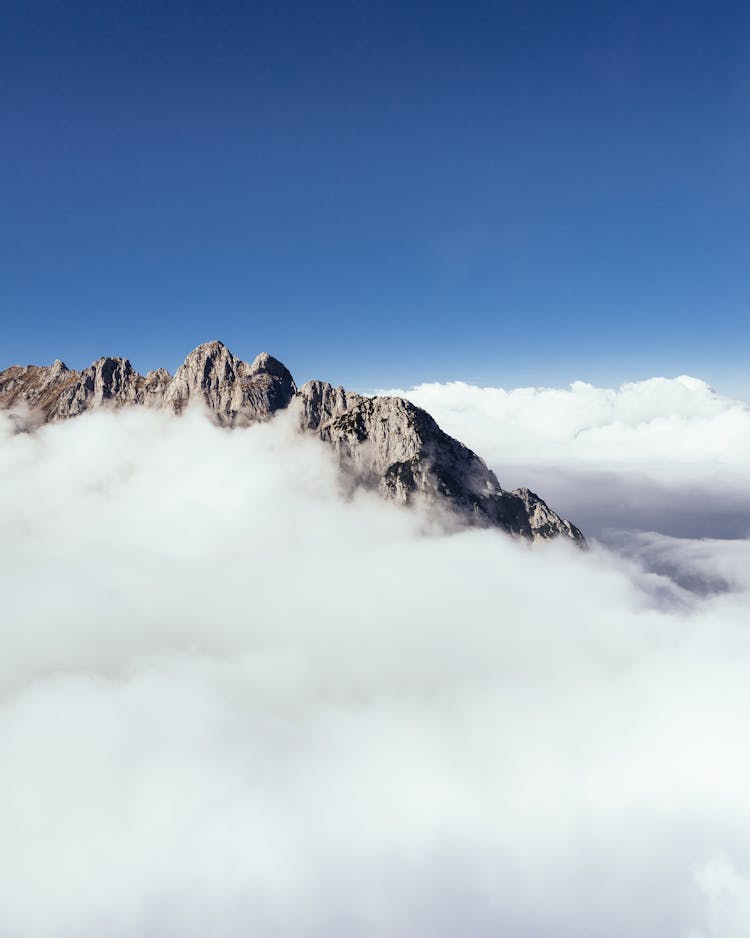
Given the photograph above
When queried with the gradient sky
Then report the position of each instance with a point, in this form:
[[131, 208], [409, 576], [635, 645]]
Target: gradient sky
[[380, 193]]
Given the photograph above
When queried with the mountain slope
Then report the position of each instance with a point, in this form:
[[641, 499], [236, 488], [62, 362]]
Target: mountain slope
[[386, 443]]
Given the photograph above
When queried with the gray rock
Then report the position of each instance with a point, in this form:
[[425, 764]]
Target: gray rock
[[390, 444], [108, 381], [37, 389], [544, 522], [235, 392], [383, 443], [56, 392]]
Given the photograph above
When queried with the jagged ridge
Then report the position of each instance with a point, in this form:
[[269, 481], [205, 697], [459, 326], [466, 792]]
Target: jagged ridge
[[385, 443]]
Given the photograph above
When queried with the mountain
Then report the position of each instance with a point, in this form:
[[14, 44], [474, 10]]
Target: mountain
[[384, 443]]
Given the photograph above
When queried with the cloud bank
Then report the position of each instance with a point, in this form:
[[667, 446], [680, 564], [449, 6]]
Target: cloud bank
[[671, 455], [235, 701]]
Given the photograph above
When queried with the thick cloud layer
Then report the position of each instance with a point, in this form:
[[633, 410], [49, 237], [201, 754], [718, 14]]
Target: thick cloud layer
[[234, 701], [670, 455]]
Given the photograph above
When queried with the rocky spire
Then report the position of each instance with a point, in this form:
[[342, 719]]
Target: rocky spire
[[107, 379], [235, 392]]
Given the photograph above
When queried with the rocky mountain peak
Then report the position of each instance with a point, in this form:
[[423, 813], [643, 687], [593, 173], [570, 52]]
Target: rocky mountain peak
[[272, 366], [213, 346], [384, 443], [232, 390]]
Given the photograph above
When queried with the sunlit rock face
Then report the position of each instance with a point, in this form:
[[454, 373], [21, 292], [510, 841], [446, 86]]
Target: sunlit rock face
[[386, 443], [56, 392], [234, 391]]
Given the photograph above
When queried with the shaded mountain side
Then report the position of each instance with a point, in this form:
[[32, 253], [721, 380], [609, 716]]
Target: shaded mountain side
[[385, 443]]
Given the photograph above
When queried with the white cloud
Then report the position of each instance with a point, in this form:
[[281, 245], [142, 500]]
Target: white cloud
[[662, 421], [234, 702], [728, 894], [672, 454]]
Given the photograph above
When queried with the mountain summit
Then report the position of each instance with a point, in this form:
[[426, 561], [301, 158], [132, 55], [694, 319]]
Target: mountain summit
[[384, 443]]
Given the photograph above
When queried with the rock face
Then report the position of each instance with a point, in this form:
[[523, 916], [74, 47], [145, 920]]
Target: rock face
[[237, 393], [385, 443], [56, 392], [390, 444]]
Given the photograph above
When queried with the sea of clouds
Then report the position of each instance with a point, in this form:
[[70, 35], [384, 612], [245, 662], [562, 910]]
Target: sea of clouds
[[235, 700]]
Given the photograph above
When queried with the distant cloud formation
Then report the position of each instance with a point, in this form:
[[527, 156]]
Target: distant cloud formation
[[661, 420], [669, 454], [236, 700]]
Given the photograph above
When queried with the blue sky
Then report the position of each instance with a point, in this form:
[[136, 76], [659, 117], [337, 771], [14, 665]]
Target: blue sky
[[380, 193]]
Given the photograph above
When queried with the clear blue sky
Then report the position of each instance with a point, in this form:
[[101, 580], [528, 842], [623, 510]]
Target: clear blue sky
[[379, 193]]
